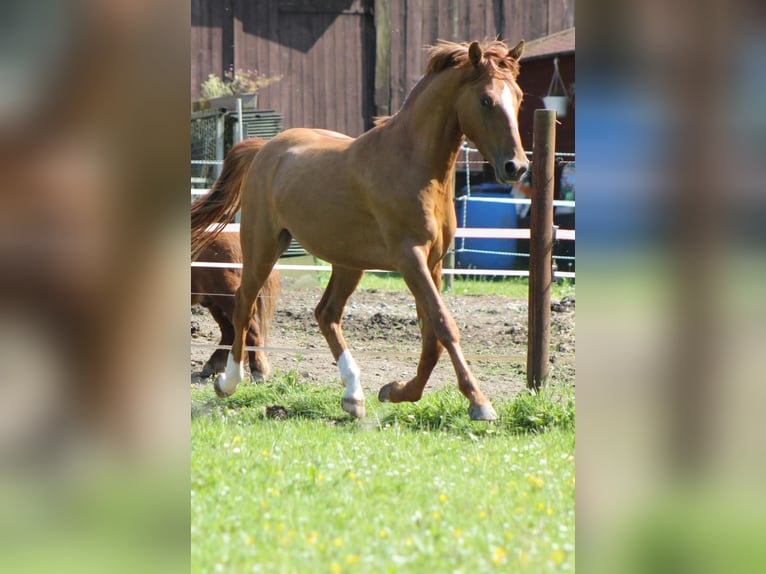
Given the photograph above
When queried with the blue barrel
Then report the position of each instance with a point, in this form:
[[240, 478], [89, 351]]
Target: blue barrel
[[486, 214]]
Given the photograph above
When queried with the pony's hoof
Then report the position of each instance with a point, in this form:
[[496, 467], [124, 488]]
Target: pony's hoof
[[260, 369], [483, 412], [354, 407], [208, 371], [218, 387]]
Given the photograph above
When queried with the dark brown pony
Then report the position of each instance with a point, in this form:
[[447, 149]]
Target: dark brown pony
[[214, 289], [381, 201]]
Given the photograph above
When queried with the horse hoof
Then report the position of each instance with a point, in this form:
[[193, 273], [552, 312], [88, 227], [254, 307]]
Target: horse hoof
[[217, 386], [384, 394], [483, 412], [208, 370], [354, 407]]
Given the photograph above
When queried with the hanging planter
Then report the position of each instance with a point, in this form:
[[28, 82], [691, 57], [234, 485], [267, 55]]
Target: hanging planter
[[557, 98]]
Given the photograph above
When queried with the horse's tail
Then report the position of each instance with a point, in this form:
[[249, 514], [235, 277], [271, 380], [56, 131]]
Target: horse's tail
[[267, 303], [222, 203]]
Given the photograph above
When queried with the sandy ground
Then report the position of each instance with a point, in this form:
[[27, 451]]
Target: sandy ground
[[381, 330]]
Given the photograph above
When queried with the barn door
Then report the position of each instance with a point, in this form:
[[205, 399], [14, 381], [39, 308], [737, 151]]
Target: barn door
[[326, 55]]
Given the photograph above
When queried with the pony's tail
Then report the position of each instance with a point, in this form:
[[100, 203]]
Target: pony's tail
[[267, 303], [222, 203]]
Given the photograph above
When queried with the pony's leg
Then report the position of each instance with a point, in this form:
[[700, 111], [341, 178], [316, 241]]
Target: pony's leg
[[414, 269], [259, 364], [217, 361], [431, 350], [328, 314]]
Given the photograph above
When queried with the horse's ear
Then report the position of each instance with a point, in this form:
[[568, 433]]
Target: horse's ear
[[516, 52], [474, 54]]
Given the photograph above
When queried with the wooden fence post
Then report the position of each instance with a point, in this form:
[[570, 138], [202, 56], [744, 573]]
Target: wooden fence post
[[541, 247]]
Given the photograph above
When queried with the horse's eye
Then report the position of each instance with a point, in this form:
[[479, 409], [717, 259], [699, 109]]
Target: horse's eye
[[486, 101]]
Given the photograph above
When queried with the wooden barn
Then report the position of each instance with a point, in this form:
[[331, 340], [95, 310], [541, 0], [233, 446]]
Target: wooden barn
[[343, 62], [537, 73]]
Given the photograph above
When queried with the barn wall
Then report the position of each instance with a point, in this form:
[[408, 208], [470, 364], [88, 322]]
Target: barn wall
[[345, 61], [534, 79]]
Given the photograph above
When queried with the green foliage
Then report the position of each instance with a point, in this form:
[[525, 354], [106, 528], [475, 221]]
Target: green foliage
[[235, 82], [411, 488], [538, 411]]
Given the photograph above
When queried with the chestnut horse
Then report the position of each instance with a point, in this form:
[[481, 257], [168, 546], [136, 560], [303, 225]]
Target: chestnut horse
[[214, 289], [381, 201]]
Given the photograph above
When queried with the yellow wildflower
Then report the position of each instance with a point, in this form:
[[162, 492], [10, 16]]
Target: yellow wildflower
[[535, 481], [557, 556], [498, 555]]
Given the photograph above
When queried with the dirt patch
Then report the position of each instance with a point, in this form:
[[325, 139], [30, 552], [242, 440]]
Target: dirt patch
[[382, 331]]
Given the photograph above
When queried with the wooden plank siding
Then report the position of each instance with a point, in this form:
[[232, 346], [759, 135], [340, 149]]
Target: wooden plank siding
[[345, 61]]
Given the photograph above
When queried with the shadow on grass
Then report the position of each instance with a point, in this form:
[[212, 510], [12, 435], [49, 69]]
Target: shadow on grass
[[285, 397]]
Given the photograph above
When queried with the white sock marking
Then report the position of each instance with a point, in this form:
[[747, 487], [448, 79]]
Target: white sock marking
[[235, 372], [349, 374]]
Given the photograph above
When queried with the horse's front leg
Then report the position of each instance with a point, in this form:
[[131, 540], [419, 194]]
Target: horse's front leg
[[431, 350], [414, 269]]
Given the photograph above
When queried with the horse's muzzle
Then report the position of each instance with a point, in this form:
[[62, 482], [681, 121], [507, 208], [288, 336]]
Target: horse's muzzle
[[513, 170]]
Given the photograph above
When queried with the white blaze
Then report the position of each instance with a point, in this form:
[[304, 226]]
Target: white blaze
[[509, 105]]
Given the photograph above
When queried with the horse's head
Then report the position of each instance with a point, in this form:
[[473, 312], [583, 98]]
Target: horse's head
[[487, 106]]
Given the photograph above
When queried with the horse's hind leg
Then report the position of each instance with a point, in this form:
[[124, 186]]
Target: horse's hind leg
[[223, 312], [431, 350], [244, 306], [328, 313], [217, 361], [258, 256]]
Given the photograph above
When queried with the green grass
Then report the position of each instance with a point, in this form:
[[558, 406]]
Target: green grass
[[515, 287], [411, 488]]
